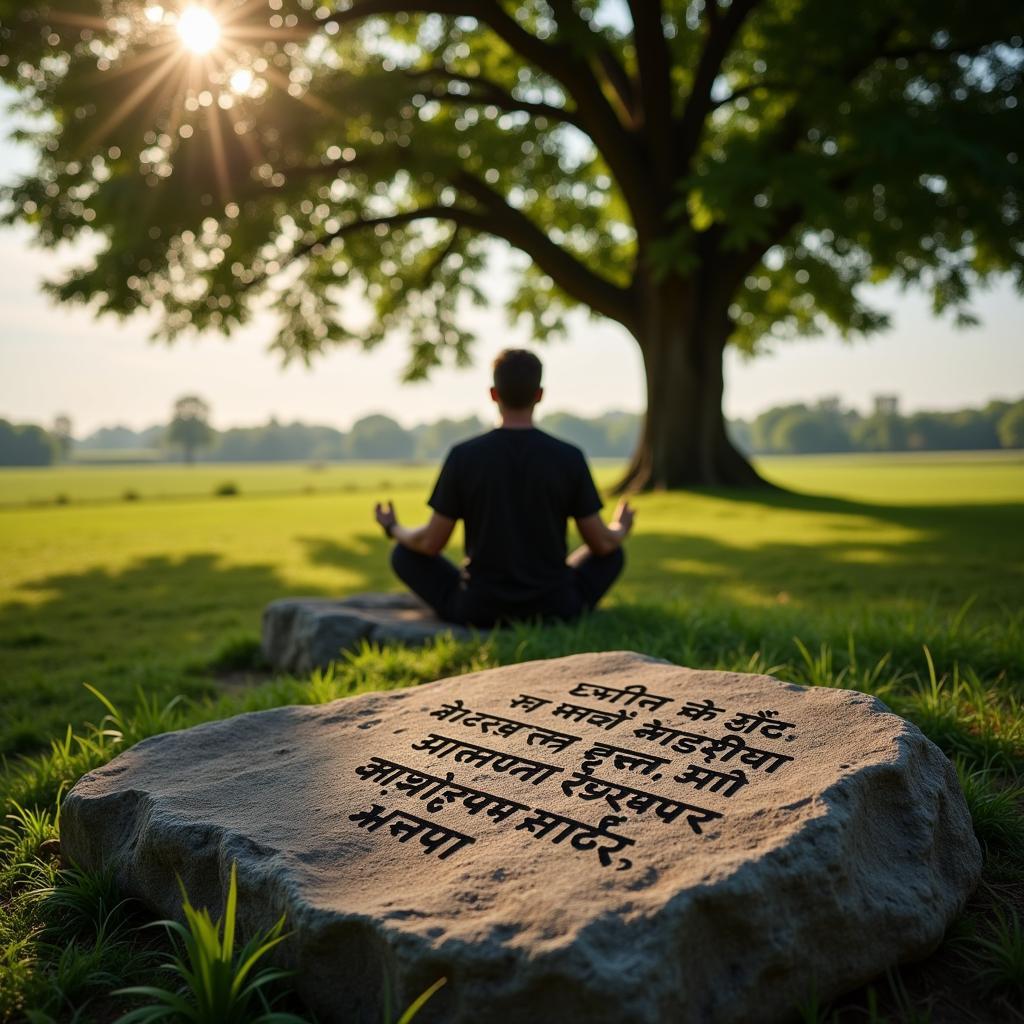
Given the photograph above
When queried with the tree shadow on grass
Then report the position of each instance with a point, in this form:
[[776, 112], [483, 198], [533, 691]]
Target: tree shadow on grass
[[155, 625], [364, 555], [784, 498], [947, 521], [940, 555]]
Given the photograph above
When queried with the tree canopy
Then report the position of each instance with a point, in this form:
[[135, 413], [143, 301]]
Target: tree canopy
[[701, 172], [190, 428], [25, 445], [379, 437]]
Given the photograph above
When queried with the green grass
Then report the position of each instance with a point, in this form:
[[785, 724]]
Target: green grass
[[915, 478], [901, 576], [81, 483], [146, 594]]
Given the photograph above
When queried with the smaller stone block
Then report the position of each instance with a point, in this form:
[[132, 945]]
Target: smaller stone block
[[304, 633]]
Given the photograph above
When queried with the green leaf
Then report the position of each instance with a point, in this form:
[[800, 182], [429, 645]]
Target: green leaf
[[420, 1001]]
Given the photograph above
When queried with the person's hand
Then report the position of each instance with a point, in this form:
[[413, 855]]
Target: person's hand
[[624, 516], [385, 516]]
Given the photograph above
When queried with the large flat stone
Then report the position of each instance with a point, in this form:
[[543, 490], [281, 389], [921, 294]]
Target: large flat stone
[[575, 882], [303, 633]]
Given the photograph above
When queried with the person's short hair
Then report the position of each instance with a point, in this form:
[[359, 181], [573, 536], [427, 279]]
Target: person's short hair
[[517, 374]]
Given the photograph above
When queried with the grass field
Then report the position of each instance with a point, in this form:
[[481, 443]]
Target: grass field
[[933, 477], [901, 575], [86, 484], [146, 592]]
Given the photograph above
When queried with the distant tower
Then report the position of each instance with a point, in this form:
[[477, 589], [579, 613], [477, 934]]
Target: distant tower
[[887, 405]]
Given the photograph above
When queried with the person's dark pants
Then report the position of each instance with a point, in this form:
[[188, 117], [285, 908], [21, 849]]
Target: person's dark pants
[[436, 581]]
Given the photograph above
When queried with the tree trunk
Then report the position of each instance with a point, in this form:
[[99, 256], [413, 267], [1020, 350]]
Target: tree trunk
[[683, 442]]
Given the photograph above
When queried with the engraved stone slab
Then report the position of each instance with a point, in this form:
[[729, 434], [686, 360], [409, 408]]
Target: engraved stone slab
[[303, 633], [596, 838]]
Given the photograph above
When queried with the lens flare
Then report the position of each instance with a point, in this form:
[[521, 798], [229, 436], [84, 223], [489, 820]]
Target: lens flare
[[241, 80], [199, 29]]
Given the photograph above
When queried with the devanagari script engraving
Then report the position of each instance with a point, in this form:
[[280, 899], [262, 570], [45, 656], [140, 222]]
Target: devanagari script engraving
[[684, 773]]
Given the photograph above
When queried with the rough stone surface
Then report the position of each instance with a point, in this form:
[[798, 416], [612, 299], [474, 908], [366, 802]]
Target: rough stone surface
[[855, 851], [303, 633]]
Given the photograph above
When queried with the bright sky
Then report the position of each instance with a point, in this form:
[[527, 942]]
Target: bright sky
[[60, 360]]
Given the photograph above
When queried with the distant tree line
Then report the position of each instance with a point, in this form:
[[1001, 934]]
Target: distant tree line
[[823, 427], [375, 437], [828, 427], [26, 445]]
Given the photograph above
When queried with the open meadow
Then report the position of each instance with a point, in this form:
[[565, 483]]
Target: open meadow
[[889, 553], [898, 575]]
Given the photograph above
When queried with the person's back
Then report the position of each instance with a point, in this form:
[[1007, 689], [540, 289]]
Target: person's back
[[515, 488]]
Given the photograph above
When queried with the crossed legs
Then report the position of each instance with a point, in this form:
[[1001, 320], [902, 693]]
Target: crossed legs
[[432, 579], [437, 582]]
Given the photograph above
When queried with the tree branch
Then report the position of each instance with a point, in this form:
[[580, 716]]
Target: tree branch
[[776, 85], [495, 94], [792, 127], [557, 60], [495, 217], [547, 57], [571, 275], [608, 72], [655, 65], [722, 31], [435, 264], [458, 215], [595, 112], [619, 85]]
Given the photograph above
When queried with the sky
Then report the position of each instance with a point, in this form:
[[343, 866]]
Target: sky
[[60, 360]]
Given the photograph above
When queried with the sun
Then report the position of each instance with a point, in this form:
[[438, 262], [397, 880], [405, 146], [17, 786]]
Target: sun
[[199, 29]]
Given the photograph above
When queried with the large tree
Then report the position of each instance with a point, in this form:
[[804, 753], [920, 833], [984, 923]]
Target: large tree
[[703, 173]]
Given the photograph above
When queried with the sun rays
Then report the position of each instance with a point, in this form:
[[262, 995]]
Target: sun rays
[[191, 62]]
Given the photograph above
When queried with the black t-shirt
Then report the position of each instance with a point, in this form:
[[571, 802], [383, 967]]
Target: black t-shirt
[[515, 490]]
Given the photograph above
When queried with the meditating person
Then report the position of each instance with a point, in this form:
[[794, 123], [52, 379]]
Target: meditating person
[[515, 488]]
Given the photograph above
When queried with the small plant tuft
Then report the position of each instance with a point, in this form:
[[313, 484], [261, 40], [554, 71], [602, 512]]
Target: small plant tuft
[[81, 903], [220, 984], [997, 956], [228, 489], [29, 828], [995, 808]]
